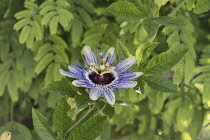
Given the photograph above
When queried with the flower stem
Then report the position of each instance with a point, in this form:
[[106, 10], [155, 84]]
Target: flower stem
[[83, 117], [177, 8]]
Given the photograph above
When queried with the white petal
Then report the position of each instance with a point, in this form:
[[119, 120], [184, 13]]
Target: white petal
[[89, 55], [79, 83], [66, 73], [95, 93], [125, 64], [126, 84], [110, 97], [110, 51], [137, 74]]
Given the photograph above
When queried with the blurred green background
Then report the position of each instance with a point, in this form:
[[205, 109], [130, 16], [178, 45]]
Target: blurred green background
[[34, 40]]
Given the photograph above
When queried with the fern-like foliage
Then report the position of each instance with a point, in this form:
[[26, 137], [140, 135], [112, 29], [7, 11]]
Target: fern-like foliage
[[101, 35], [30, 24], [55, 12], [49, 55]]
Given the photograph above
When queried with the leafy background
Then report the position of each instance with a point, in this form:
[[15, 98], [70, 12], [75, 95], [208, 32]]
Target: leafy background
[[170, 39]]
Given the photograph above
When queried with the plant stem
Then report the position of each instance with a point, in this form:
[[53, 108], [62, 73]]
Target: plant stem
[[177, 8], [83, 117]]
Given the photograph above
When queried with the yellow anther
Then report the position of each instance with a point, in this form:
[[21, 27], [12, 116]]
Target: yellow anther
[[111, 68], [107, 64], [102, 67], [93, 69], [105, 72], [94, 64]]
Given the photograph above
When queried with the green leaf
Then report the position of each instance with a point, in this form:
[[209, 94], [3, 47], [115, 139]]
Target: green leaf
[[150, 27], [48, 17], [81, 101], [43, 63], [143, 51], [107, 109], [4, 77], [76, 32], [196, 124], [206, 95], [24, 34], [41, 126], [89, 130], [185, 114], [21, 23], [54, 25], [122, 50], [160, 83], [169, 21], [126, 10], [19, 131], [61, 120], [12, 87], [161, 2], [62, 87], [201, 6], [165, 61]]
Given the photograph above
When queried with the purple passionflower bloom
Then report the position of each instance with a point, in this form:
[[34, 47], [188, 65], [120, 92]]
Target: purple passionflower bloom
[[102, 75]]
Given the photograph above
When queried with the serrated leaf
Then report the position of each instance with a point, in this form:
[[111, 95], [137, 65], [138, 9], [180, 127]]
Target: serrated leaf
[[41, 126], [32, 6], [126, 10], [62, 87], [37, 31], [43, 63], [24, 34], [169, 21], [165, 61], [202, 6], [89, 129], [143, 51], [161, 2], [81, 101], [69, 16], [61, 120], [160, 83], [62, 3], [150, 27], [122, 50], [54, 25], [58, 40]]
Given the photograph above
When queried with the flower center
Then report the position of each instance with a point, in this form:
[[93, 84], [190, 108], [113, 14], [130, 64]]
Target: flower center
[[104, 79]]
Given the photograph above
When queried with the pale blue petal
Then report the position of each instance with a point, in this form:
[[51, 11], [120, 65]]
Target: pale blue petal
[[125, 84], [125, 65], [129, 76], [109, 96], [95, 93], [110, 52], [89, 56], [81, 83]]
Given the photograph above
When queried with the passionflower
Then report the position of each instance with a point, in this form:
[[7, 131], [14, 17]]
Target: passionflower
[[103, 75]]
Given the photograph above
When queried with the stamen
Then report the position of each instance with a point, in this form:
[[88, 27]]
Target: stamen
[[105, 72], [111, 68], [94, 64], [93, 69]]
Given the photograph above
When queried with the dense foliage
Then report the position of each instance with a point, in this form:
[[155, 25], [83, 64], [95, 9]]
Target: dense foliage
[[171, 42]]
